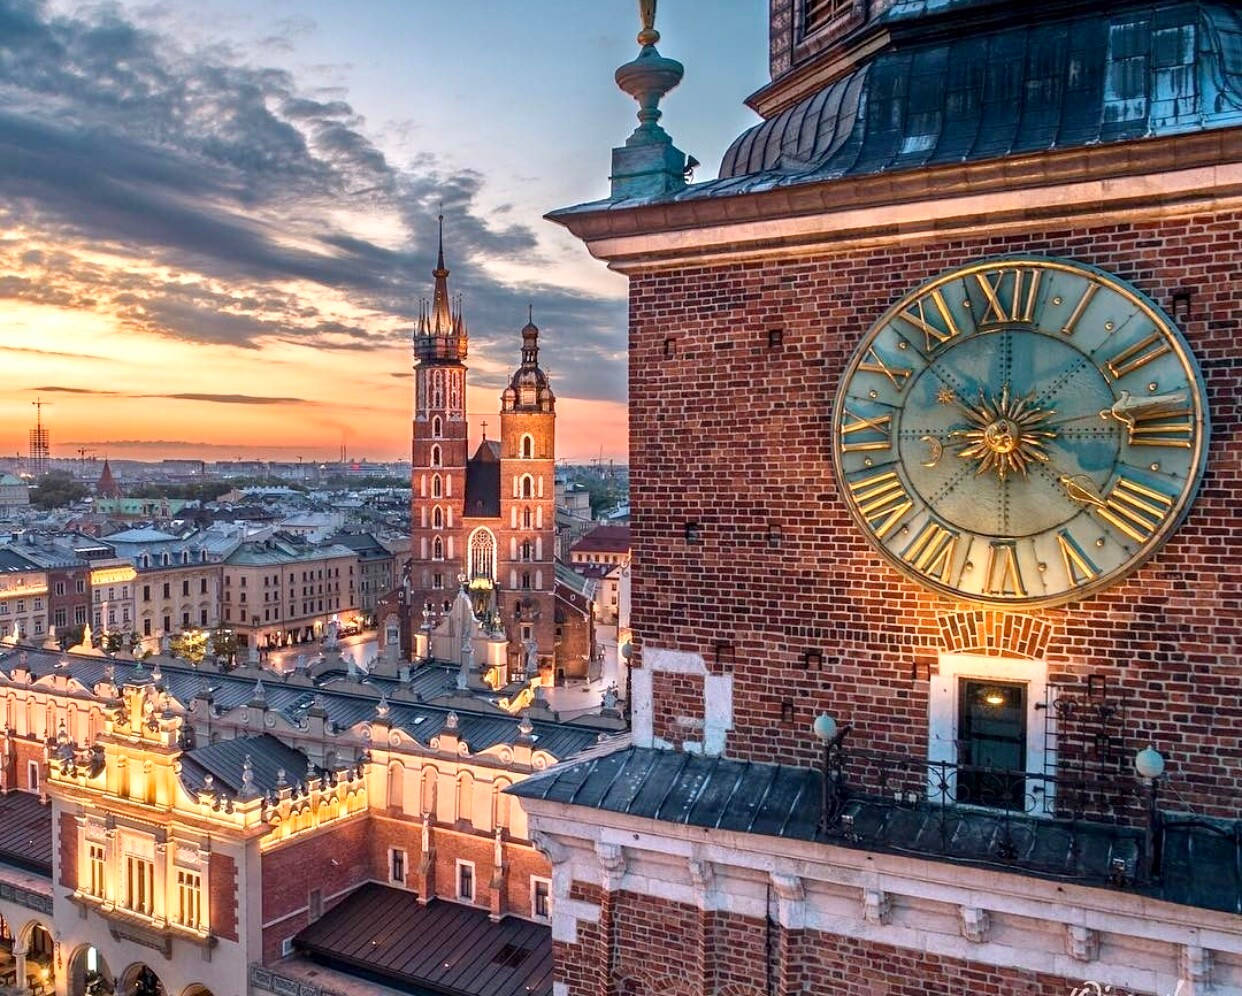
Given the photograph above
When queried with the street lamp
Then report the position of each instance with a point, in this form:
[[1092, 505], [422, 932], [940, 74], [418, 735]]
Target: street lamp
[[831, 735], [1149, 765]]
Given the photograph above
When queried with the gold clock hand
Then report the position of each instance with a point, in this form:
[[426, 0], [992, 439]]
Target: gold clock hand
[[1127, 410], [1080, 488]]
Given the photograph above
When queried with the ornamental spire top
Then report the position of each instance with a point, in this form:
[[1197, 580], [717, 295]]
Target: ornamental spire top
[[648, 164], [441, 318]]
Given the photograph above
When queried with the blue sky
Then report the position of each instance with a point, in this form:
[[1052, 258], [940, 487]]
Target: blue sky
[[229, 207]]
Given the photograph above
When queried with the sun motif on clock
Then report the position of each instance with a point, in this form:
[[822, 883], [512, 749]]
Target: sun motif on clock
[[1022, 430]]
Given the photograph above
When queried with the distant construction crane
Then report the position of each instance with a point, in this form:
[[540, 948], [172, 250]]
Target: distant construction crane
[[40, 450]]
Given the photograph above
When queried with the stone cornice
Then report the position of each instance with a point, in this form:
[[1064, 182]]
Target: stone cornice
[[1150, 178]]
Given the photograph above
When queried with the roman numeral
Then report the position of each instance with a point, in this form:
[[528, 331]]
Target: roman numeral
[[874, 363], [882, 500], [1071, 323], [1138, 355], [1169, 429], [932, 551], [917, 315], [1078, 566], [881, 425], [1134, 509], [1024, 289], [1004, 576]]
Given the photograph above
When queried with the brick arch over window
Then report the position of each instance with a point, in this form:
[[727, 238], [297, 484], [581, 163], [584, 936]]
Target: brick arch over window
[[999, 634]]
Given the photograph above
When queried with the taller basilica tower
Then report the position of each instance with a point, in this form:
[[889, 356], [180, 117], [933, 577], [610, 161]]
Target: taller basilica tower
[[486, 521]]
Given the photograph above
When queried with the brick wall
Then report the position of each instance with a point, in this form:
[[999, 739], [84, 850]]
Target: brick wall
[[222, 901], [715, 411], [334, 861], [25, 751], [68, 842]]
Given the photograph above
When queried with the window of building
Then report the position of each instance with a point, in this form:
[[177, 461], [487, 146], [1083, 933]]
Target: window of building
[[528, 486], [146, 627], [483, 554], [185, 586], [139, 885], [32, 776], [540, 898], [526, 518], [21, 606], [817, 13], [314, 905], [167, 590], [202, 616], [437, 427], [189, 899], [95, 869], [202, 586], [79, 614], [168, 624], [435, 456], [185, 620], [60, 587], [992, 736], [81, 586], [436, 486], [465, 880], [437, 518], [60, 618], [437, 580], [526, 579], [528, 447], [396, 866]]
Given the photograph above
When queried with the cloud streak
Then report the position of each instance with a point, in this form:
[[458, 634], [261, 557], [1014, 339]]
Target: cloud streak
[[230, 205], [222, 399]]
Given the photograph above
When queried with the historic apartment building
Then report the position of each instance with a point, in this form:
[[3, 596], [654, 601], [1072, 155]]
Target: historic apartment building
[[283, 590], [956, 327], [178, 830]]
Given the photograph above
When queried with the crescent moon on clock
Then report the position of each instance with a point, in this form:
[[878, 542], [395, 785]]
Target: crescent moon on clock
[[936, 450]]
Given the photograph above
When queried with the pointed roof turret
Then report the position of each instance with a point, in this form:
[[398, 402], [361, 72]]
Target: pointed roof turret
[[441, 309], [529, 389], [107, 486]]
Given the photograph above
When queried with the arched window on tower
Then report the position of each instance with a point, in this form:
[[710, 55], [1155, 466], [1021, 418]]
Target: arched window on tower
[[437, 486], [437, 518], [528, 447], [526, 549], [437, 427], [528, 486], [437, 549], [483, 555], [526, 518], [437, 389], [435, 456]]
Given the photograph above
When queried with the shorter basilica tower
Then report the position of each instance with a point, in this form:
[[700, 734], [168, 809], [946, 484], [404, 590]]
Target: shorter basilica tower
[[528, 499]]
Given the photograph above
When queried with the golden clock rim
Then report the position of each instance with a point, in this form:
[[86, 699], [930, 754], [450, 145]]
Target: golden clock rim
[[1142, 554]]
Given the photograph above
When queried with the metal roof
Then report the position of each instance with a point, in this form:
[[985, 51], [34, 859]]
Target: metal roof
[[225, 759], [384, 933], [970, 91], [1200, 864], [26, 832]]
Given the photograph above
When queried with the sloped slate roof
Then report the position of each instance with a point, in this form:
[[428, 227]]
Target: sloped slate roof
[[26, 832], [442, 947], [225, 759], [1200, 860]]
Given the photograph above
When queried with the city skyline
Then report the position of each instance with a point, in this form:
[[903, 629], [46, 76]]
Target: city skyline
[[218, 228]]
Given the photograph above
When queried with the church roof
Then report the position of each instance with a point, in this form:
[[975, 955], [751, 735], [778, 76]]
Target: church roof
[[107, 486], [483, 482]]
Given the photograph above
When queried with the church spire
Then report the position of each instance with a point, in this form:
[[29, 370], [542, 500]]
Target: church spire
[[441, 309]]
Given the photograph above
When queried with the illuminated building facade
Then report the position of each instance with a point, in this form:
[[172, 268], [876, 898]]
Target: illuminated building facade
[[208, 832], [935, 650]]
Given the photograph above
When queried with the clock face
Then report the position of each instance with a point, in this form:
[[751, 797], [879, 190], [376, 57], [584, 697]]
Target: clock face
[[1024, 430]]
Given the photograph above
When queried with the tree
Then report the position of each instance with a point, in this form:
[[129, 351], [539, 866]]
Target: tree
[[56, 489]]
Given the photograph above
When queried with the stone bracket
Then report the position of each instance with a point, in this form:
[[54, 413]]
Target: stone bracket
[[877, 906], [975, 923], [1082, 943]]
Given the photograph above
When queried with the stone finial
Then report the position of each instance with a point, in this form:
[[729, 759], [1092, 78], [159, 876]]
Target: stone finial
[[525, 728], [281, 780], [382, 708], [157, 675], [450, 721], [648, 165], [259, 696], [248, 789]]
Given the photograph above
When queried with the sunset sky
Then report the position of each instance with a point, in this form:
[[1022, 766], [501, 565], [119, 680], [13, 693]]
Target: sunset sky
[[216, 224]]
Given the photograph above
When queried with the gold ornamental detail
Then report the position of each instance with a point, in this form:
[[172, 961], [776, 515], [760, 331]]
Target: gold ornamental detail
[[1005, 436]]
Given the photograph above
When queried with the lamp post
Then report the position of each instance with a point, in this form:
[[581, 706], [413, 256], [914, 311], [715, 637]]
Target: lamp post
[[830, 735], [1149, 765]]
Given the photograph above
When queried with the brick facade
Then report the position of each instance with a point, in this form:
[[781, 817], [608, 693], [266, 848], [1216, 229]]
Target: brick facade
[[1164, 637], [222, 901], [68, 850]]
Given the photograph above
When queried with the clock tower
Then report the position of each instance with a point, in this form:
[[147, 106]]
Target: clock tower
[[936, 631]]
